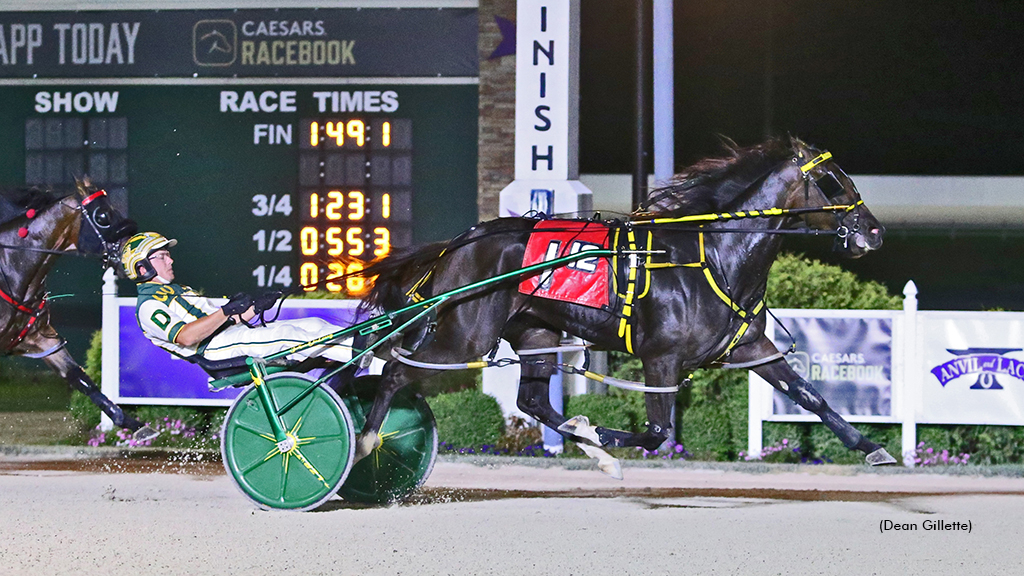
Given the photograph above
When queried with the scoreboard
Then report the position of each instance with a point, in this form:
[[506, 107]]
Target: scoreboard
[[272, 171]]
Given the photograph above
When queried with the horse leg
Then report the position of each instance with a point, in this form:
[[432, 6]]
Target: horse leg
[[782, 377], [659, 371], [61, 362], [394, 377], [535, 377], [461, 334], [534, 397]]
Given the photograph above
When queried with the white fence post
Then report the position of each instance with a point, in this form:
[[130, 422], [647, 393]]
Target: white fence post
[[911, 377], [756, 391], [111, 344]]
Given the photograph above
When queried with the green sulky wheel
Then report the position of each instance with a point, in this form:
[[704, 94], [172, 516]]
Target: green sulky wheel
[[406, 455], [304, 476]]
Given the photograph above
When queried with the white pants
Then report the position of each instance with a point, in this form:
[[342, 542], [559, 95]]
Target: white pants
[[262, 341]]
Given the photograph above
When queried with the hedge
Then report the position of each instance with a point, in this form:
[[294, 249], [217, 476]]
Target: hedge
[[618, 410], [467, 418]]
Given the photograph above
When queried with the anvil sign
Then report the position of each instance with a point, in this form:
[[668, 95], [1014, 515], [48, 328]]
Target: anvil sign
[[988, 362]]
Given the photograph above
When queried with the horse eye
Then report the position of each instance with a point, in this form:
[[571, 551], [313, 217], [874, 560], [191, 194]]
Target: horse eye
[[101, 218]]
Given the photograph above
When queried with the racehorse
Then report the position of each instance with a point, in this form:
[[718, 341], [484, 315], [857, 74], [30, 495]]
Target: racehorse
[[704, 305], [37, 227]]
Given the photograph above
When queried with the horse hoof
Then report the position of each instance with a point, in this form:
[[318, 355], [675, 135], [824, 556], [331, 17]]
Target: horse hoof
[[613, 468], [580, 426], [365, 445], [144, 434], [606, 463], [880, 457]]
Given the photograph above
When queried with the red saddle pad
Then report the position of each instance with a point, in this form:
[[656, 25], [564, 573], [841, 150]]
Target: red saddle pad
[[584, 281]]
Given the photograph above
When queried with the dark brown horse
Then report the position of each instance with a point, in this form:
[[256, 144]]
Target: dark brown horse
[[38, 227], [704, 305]]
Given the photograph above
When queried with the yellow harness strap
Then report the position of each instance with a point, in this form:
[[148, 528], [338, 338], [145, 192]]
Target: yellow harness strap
[[413, 292], [630, 296], [746, 316], [818, 160], [625, 329]]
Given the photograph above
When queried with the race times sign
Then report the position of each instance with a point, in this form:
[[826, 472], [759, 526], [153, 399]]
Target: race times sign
[[425, 42], [848, 360]]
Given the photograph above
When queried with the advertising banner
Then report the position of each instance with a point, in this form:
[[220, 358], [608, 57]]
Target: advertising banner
[[324, 42], [151, 375], [848, 360], [974, 368]]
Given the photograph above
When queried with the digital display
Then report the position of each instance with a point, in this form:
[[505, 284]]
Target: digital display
[[355, 182]]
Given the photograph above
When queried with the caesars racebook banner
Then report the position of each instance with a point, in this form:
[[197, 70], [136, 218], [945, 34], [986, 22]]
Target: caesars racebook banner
[[848, 360], [300, 42]]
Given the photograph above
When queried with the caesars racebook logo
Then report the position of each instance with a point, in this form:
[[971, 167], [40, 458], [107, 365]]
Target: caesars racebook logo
[[987, 363], [800, 362], [214, 42]]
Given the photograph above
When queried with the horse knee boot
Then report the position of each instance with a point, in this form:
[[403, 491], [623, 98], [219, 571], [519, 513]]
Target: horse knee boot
[[533, 399]]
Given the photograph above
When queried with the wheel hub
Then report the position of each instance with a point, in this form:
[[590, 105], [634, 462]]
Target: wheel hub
[[288, 444]]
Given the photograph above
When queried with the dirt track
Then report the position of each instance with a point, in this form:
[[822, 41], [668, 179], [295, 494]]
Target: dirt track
[[115, 515]]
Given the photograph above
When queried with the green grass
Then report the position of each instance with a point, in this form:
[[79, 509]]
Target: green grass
[[30, 386]]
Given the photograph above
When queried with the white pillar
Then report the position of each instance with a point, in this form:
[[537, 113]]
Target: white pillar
[[503, 383], [110, 380], [757, 390], [547, 112], [911, 395], [547, 136], [664, 92]]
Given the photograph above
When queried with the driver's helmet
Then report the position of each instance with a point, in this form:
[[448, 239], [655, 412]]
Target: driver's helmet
[[135, 254]]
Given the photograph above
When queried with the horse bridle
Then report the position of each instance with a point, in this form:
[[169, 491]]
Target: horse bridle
[[830, 187], [110, 257], [111, 254]]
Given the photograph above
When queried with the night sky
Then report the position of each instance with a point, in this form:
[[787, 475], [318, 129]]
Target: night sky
[[930, 88]]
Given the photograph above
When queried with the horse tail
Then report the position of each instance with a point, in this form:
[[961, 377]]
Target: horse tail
[[392, 275]]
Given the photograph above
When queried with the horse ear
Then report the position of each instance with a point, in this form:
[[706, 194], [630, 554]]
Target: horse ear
[[797, 145], [728, 144]]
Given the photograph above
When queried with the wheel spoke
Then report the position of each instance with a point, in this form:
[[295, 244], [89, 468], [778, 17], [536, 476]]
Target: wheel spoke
[[284, 479], [398, 434], [253, 430], [309, 466], [320, 439], [396, 460], [245, 471], [305, 410]]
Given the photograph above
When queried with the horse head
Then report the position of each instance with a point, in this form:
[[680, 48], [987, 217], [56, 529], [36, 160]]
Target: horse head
[[103, 227], [818, 182]]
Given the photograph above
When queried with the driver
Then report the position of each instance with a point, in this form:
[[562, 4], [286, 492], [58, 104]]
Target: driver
[[178, 319]]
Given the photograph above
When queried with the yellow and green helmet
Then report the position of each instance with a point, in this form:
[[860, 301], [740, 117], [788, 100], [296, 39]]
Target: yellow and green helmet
[[135, 254]]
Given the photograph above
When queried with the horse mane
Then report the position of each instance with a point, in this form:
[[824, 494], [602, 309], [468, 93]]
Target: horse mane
[[714, 183], [14, 202]]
